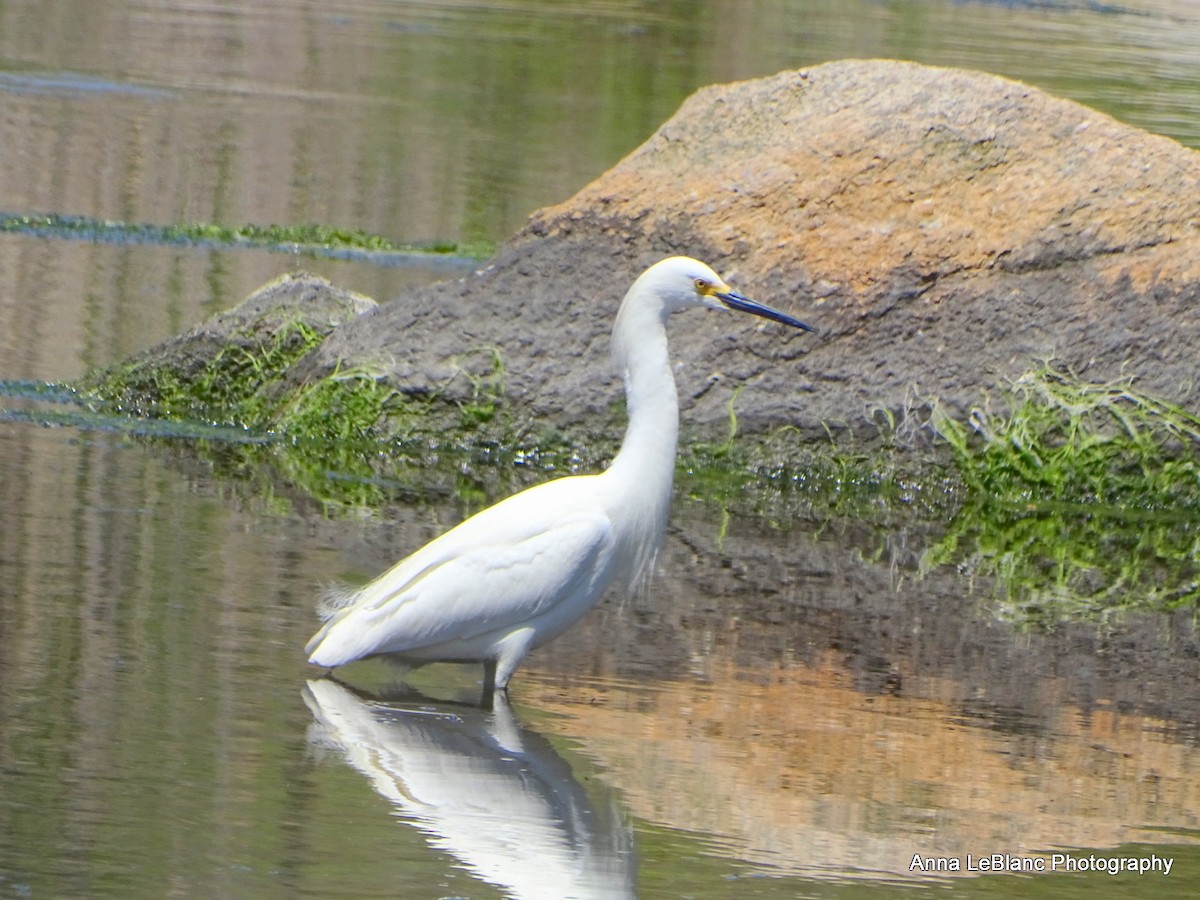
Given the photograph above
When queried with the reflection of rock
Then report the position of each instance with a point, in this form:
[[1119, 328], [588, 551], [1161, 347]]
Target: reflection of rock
[[842, 714], [484, 789], [934, 224], [794, 770]]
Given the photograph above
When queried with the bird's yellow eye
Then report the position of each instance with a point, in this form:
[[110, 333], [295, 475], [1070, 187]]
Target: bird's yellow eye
[[703, 285]]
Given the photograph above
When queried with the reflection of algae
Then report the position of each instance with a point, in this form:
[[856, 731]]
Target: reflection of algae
[[1082, 499], [1058, 562], [798, 773]]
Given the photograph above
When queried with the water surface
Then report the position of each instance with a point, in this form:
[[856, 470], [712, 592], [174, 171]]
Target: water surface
[[793, 710]]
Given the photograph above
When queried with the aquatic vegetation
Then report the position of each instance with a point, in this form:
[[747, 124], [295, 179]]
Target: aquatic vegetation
[[487, 388], [1068, 498], [343, 411], [1065, 440], [315, 240], [235, 386], [1052, 564], [1060, 498], [1083, 498]]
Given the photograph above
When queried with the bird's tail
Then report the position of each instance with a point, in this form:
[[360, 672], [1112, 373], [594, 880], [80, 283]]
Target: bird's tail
[[333, 599]]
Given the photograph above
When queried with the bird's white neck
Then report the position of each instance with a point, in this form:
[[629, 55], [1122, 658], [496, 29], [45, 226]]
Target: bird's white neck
[[640, 478]]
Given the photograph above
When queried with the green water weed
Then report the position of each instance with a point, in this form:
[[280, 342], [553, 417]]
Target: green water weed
[[313, 239], [1083, 498]]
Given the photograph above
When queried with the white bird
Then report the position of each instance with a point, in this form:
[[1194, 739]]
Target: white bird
[[520, 573]]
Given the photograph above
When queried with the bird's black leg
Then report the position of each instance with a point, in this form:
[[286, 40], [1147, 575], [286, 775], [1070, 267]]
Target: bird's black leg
[[489, 683]]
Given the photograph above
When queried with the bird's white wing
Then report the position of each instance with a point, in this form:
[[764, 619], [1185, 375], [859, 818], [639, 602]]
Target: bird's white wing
[[506, 565]]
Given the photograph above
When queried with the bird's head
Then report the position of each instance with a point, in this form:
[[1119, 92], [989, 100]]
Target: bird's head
[[681, 282]]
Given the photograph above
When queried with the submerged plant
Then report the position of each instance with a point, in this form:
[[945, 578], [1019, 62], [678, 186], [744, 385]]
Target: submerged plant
[[341, 412], [1084, 498], [317, 240]]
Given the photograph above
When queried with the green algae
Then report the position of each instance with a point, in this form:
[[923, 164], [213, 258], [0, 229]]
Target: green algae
[[311, 239], [1082, 499], [1071, 499], [1060, 439], [234, 386]]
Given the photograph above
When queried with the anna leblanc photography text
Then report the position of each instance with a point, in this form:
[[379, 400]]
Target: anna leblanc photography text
[[1055, 862]]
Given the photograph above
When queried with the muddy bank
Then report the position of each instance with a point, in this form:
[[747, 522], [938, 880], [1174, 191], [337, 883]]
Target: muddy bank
[[943, 230]]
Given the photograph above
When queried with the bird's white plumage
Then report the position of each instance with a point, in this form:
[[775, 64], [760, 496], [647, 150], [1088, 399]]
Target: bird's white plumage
[[532, 558], [521, 572]]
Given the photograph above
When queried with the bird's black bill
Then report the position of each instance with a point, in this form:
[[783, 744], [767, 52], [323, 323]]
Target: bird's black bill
[[745, 304]]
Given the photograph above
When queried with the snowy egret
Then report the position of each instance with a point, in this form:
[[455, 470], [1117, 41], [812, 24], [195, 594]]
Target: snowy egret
[[520, 573]]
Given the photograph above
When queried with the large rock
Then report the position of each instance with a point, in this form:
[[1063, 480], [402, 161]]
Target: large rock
[[942, 229]]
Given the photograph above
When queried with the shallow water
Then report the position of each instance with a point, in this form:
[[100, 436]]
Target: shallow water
[[162, 733], [793, 710]]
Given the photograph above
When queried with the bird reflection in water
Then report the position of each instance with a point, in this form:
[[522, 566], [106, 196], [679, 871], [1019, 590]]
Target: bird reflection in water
[[482, 788]]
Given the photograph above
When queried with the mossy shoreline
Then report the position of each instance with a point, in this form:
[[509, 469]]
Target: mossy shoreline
[[1075, 499]]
